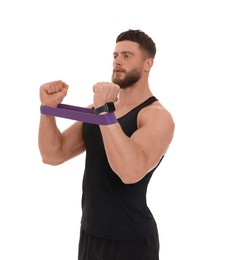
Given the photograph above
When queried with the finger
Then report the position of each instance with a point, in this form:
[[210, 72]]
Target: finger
[[55, 87], [51, 89]]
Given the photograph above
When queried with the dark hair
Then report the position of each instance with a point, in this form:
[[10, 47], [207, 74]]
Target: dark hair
[[141, 38]]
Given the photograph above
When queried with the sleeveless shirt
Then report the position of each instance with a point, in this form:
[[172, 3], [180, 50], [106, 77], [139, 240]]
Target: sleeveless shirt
[[110, 208]]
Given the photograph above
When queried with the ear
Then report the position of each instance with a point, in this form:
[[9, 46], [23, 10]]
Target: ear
[[148, 64]]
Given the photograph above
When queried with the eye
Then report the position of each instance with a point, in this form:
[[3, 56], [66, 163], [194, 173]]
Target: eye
[[127, 55]]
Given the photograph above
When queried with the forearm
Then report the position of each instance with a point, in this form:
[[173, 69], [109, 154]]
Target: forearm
[[125, 157], [49, 140]]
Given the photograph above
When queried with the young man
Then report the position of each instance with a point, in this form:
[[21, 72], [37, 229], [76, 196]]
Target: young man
[[120, 157]]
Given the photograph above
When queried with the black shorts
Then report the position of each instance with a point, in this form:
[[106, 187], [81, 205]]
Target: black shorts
[[94, 248]]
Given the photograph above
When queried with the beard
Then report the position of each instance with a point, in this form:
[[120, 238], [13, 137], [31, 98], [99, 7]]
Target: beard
[[130, 78]]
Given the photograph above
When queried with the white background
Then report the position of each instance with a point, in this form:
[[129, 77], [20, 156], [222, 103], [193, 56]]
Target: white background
[[40, 205]]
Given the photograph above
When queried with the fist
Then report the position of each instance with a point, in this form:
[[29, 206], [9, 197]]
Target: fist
[[105, 92], [52, 93]]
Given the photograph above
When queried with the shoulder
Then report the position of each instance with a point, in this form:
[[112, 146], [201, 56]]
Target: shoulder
[[156, 114]]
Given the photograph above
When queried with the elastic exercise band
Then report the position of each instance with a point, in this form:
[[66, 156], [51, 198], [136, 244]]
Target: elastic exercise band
[[80, 114]]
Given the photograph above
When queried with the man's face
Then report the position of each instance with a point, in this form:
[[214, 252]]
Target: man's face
[[127, 64]]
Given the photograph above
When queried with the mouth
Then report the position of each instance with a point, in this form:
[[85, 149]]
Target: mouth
[[118, 71]]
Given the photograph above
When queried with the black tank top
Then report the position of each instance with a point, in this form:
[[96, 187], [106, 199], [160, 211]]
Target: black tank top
[[110, 208]]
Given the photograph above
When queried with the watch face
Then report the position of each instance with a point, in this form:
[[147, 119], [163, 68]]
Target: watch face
[[110, 106]]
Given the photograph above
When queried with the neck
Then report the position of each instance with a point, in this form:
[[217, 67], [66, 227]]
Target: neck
[[134, 94]]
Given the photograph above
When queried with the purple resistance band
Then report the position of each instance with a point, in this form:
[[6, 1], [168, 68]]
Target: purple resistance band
[[79, 114]]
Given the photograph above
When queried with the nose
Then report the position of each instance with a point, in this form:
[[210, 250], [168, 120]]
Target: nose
[[117, 60]]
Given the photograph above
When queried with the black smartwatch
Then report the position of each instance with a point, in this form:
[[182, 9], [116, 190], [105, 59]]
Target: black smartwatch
[[108, 107]]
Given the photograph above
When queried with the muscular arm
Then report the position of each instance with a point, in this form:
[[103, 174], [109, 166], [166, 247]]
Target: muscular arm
[[131, 158], [56, 147]]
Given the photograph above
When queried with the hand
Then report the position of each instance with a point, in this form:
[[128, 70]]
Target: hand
[[105, 92], [52, 93]]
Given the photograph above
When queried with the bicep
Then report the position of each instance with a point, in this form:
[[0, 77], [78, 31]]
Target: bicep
[[154, 135]]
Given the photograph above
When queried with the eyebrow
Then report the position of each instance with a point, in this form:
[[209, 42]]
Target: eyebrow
[[124, 52]]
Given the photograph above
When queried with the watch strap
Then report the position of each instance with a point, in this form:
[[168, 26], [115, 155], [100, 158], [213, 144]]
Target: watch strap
[[108, 107]]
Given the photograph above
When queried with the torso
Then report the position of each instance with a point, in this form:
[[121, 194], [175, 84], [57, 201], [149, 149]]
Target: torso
[[112, 209]]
